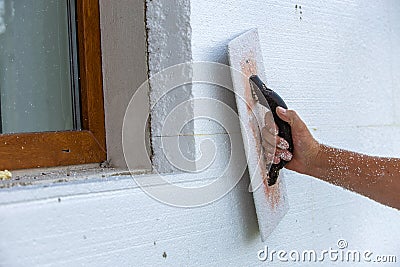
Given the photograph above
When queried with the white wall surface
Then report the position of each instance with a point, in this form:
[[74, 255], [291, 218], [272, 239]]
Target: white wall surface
[[111, 222], [338, 66], [123, 43]]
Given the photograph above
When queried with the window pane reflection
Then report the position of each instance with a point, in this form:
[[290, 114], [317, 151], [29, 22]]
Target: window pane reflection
[[36, 77]]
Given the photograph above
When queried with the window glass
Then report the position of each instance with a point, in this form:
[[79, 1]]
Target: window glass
[[38, 70]]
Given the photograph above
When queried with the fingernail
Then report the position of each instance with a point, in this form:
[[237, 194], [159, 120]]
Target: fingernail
[[282, 110], [283, 144], [286, 156]]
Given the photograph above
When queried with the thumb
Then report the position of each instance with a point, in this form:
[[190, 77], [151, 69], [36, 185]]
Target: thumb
[[290, 116]]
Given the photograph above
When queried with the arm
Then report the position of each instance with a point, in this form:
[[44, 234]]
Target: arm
[[375, 177]]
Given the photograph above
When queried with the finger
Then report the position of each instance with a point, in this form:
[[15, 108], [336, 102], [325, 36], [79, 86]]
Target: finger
[[283, 154], [268, 137], [281, 143], [270, 123], [290, 116], [269, 118], [276, 160], [269, 157], [273, 140], [268, 148]]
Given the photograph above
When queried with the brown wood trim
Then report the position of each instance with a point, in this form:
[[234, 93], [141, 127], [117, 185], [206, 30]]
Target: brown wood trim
[[91, 81], [31, 150]]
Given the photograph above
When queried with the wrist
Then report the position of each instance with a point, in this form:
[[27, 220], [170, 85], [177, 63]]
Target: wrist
[[314, 159]]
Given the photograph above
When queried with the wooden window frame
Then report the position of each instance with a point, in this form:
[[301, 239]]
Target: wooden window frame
[[48, 149]]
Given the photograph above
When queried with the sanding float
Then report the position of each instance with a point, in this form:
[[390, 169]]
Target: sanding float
[[254, 100]]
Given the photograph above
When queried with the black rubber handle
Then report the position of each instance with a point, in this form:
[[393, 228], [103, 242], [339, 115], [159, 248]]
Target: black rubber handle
[[274, 101]]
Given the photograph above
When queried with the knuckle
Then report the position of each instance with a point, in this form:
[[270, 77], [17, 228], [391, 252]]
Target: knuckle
[[292, 113]]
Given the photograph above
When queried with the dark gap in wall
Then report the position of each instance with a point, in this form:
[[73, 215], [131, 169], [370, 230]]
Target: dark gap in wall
[[151, 150]]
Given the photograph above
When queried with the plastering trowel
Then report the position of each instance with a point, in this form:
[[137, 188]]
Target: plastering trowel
[[254, 100]]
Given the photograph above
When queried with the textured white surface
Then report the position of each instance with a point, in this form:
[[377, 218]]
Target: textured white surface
[[245, 58], [114, 223], [337, 64], [340, 53], [169, 43]]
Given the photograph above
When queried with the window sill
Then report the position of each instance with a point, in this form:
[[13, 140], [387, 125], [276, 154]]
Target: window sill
[[36, 184], [68, 182]]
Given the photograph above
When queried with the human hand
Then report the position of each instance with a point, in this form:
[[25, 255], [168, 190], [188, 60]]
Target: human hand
[[305, 149], [275, 147]]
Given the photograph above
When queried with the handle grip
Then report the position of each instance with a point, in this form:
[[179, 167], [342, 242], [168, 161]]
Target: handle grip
[[274, 101]]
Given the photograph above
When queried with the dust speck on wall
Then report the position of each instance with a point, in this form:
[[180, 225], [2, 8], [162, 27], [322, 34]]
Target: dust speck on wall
[[299, 9]]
